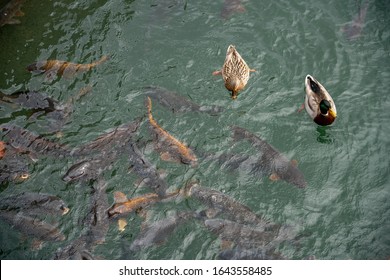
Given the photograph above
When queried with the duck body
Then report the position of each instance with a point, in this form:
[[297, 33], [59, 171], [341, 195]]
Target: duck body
[[235, 72], [318, 102]]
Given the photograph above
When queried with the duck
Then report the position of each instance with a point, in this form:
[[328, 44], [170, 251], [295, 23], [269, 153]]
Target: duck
[[318, 102], [235, 72]]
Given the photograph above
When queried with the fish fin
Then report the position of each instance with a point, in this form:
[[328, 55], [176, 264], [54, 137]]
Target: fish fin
[[301, 108], [294, 162], [252, 70], [122, 223], [225, 244], [50, 76], [69, 72], [13, 21], [274, 177], [216, 73], [36, 244], [120, 197], [166, 156], [19, 13]]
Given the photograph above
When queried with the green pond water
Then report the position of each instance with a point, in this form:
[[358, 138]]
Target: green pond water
[[343, 213]]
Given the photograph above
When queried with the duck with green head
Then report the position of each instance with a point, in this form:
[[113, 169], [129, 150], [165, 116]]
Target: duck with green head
[[318, 102]]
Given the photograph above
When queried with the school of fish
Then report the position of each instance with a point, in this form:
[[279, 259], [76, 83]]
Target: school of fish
[[243, 233]]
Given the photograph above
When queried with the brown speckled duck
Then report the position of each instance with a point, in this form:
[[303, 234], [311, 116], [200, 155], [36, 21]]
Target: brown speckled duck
[[235, 71]]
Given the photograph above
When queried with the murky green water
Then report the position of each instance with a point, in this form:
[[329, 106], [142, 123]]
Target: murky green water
[[344, 213]]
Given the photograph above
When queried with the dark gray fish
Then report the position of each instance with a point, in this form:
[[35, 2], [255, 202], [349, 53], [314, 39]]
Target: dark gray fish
[[14, 167], [97, 218], [31, 100], [159, 231], [271, 162], [228, 206], [250, 254], [76, 250], [34, 204], [90, 169], [240, 234], [231, 7], [95, 229], [10, 11], [353, 30], [27, 141], [113, 139], [146, 171], [32, 226], [177, 103]]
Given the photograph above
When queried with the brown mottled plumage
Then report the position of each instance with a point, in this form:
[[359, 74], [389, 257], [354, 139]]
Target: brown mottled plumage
[[235, 71]]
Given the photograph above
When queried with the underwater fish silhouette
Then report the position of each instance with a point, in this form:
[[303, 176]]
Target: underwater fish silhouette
[[271, 161]]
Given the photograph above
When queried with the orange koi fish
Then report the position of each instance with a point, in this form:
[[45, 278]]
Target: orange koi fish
[[170, 148], [62, 68]]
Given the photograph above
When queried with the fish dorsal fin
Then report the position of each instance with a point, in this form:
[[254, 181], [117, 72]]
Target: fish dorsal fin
[[122, 223], [294, 162], [120, 197]]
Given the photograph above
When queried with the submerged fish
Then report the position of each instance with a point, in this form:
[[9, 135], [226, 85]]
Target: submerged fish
[[242, 235], [146, 171], [116, 138], [34, 204], [250, 254], [159, 231], [91, 168], [272, 162], [2, 149], [97, 220], [10, 11], [353, 30], [227, 205], [123, 205], [14, 167], [32, 226], [169, 147], [231, 7], [31, 100], [62, 68], [177, 103], [27, 141], [95, 227]]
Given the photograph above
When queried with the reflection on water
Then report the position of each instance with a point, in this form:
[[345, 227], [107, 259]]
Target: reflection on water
[[168, 51]]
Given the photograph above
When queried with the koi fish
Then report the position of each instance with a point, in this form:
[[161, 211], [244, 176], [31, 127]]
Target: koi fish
[[10, 11], [159, 231], [34, 204], [226, 205], [123, 205], [231, 7], [27, 141], [114, 138], [32, 226], [62, 68], [169, 147], [177, 103], [353, 30], [240, 234], [271, 161], [146, 171], [13, 166], [250, 254]]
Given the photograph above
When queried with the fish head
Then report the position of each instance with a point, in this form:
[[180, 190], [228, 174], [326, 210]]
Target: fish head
[[293, 176], [77, 171]]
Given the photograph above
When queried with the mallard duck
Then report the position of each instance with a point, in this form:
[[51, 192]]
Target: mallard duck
[[235, 71], [318, 102]]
